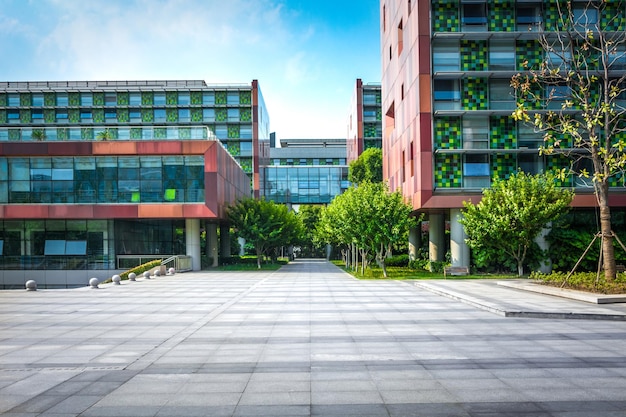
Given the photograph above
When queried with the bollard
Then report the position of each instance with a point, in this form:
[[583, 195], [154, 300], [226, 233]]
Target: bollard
[[157, 273], [172, 271], [93, 282], [116, 279], [146, 275], [132, 276], [31, 285]]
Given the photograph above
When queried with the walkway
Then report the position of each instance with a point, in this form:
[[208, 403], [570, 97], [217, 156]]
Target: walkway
[[306, 340]]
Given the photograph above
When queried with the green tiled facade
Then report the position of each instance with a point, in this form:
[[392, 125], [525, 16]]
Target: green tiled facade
[[503, 165], [500, 17], [445, 16], [448, 171], [474, 55], [447, 132], [474, 94], [503, 132]]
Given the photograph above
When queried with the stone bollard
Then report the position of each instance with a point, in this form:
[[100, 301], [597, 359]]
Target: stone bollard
[[93, 282], [146, 275], [31, 285], [172, 271], [116, 279], [157, 273], [132, 276]]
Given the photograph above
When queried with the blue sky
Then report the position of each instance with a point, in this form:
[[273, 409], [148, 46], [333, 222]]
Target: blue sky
[[306, 54]]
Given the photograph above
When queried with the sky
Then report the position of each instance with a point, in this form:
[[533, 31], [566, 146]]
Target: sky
[[306, 54]]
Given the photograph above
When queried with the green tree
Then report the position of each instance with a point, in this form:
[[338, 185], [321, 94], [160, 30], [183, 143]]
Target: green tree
[[367, 167], [264, 224], [309, 215], [106, 134], [39, 134], [371, 218], [575, 97], [513, 212]]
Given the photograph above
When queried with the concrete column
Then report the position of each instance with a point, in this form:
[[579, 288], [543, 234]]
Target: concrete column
[[458, 248], [436, 237], [224, 240], [415, 241], [546, 266], [211, 242], [242, 243], [192, 242]]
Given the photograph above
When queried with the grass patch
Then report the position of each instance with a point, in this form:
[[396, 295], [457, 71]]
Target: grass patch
[[399, 273], [248, 263], [584, 281]]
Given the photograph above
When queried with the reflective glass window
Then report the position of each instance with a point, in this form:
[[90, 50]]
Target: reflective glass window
[[232, 98], [159, 115], [134, 99], [62, 99], [13, 100], [37, 99], [159, 99], [208, 115], [86, 99], [183, 98]]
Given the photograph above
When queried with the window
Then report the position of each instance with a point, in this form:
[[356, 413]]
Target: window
[[208, 97], [384, 18], [61, 116], [208, 115], [474, 17], [527, 137], [62, 99], [400, 38], [446, 56], [184, 115], [475, 133], [37, 115], [13, 116], [529, 163], [110, 115], [501, 95], [13, 100], [402, 91], [409, 6], [134, 99], [110, 99], [501, 56], [134, 115], [184, 98], [476, 171], [159, 115], [528, 17], [232, 98], [37, 100], [245, 132], [159, 99], [86, 99], [585, 17], [233, 115], [447, 95]]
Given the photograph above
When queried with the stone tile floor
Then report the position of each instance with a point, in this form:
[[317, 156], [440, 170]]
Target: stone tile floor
[[305, 340]]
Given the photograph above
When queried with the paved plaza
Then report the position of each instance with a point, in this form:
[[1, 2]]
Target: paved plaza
[[307, 340]]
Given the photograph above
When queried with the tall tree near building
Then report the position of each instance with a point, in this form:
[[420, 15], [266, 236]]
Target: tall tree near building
[[513, 212], [367, 167], [265, 224], [577, 98]]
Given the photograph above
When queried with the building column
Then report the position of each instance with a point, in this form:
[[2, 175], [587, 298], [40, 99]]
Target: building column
[[211, 242], [436, 237], [546, 266], [415, 241], [192, 242], [458, 248], [224, 240]]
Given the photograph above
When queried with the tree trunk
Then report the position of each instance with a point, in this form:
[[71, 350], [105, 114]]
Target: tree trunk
[[608, 252], [520, 269]]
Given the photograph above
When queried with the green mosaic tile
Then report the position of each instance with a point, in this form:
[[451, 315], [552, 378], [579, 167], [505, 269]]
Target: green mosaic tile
[[25, 116], [447, 132], [614, 17], [245, 114], [246, 164], [98, 115], [370, 130], [558, 162], [49, 99], [171, 98], [501, 16], [474, 94], [3, 100], [49, 116], [448, 171], [233, 148], [503, 132], [552, 17], [98, 99], [171, 115], [445, 16], [26, 99], [221, 115], [63, 133], [3, 116], [369, 143], [196, 115], [74, 99], [147, 115], [135, 133], [147, 98], [123, 115], [528, 55], [73, 115], [233, 131], [160, 133], [220, 98], [123, 99], [196, 98], [503, 165], [184, 133], [617, 180], [245, 97], [15, 134], [86, 133], [379, 114], [474, 55]]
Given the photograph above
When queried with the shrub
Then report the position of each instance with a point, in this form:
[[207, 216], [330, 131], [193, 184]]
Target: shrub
[[397, 260], [584, 281]]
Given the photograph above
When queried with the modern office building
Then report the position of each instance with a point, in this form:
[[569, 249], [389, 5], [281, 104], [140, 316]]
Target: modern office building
[[364, 120], [447, 101], [93, 173], [306, 171]]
